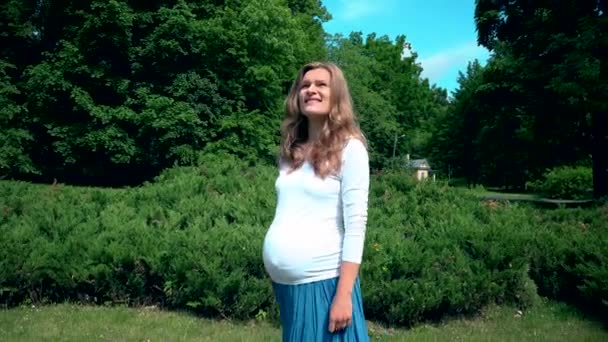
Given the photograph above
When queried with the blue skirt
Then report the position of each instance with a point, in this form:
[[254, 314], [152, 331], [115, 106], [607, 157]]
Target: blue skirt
[[304, 311]]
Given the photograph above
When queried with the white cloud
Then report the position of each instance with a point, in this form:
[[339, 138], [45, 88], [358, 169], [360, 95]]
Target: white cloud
[[456, 58], [356, 9]]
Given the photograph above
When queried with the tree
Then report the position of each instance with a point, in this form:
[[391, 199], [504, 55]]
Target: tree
[[114, 88], [560, 49], [455, 135], [397, 108], [15, 138], [114, 91]]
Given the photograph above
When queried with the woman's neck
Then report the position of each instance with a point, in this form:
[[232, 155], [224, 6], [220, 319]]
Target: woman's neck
[[315, 127]]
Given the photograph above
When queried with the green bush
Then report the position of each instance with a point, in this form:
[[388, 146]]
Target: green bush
[[189, 240], [569, 256], [431, 252], [565, 182], [192, 240]]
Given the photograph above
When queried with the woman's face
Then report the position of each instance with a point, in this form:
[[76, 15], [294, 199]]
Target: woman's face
[[314, 97]]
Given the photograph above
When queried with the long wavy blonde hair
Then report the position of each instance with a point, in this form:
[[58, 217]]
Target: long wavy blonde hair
[[340, 125]]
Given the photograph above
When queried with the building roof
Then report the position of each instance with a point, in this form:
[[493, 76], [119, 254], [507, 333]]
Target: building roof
[[418, 164]]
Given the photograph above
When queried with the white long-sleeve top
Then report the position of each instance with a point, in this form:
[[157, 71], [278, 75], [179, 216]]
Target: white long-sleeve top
[[318, 223]]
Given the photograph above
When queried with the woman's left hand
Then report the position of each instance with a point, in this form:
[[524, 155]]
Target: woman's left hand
[[341, 313]]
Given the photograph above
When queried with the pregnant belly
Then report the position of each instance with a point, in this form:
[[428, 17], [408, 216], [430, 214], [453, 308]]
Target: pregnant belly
[[293, 256]]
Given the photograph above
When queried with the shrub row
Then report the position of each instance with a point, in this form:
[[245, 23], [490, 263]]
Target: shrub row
[[192, 240], [433, 251], [189, 241]]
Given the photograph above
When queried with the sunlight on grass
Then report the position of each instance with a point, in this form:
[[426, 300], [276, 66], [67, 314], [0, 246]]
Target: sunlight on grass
[[80, 323], [546, 322], [481, 191]]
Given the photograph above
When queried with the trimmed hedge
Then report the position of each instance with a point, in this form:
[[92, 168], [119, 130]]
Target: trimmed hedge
[[192, 240]]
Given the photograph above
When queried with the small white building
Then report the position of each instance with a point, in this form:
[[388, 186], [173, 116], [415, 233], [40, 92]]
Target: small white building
[[420, 167]]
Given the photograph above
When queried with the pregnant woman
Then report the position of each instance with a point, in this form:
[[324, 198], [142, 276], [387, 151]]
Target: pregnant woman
[[313, 248]]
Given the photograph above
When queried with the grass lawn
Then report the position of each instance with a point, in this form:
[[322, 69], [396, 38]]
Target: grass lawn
[[494, 195], [548, 321], [480, 191]]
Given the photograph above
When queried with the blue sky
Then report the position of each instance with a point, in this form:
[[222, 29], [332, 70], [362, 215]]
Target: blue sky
[[441, 32]]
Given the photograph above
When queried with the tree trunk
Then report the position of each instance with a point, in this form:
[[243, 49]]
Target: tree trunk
[[600, 153], [599, 120]]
